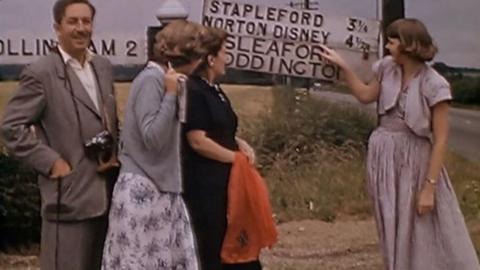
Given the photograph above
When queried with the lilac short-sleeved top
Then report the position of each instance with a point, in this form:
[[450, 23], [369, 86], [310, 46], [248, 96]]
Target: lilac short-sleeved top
[[426, 89]]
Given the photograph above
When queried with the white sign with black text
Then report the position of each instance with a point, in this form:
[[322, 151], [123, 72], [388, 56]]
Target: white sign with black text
[[285, 40], [21, 49], [120, 29]]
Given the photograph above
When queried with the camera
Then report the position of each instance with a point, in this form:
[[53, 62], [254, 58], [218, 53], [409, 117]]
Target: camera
[[102, 148], [101, 143]]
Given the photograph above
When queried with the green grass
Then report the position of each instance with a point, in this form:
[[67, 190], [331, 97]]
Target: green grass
[[465, 178], [248, 100], [310, 153], [6, 92], [312, 156]]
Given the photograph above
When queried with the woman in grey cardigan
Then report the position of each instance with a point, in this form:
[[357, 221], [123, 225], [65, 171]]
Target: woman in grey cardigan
[[149, 227]]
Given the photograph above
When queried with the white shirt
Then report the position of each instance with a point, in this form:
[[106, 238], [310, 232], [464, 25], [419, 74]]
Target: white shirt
[[85, 74]]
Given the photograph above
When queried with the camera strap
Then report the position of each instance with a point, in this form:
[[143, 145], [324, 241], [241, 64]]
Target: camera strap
[[57, 228], [105, 123], [102, 110]]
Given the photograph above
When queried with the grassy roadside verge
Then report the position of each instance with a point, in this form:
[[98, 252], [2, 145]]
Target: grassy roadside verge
[[312, 156]]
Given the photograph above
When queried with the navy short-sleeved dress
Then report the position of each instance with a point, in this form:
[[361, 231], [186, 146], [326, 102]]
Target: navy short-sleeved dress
[[206, 180]]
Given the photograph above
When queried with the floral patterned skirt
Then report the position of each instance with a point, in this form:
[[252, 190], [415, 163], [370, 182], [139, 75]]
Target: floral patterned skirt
[[147, 229]]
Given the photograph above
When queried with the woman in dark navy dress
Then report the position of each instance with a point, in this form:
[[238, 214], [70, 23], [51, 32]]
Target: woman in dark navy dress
[[209, 147]]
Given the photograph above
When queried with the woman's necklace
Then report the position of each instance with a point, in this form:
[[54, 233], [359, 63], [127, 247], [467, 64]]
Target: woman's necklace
[[217, 88]]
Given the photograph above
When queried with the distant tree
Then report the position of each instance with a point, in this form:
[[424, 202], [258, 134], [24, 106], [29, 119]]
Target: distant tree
[[441, 67], [447, 71]]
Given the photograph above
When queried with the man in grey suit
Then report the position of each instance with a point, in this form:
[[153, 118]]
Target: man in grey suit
[[64, 100]]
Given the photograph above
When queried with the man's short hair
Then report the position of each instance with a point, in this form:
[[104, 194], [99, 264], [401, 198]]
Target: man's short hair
[[61, 5]]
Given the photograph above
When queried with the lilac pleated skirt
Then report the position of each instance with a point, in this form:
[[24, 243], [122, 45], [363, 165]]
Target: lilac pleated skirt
[[397, 166]]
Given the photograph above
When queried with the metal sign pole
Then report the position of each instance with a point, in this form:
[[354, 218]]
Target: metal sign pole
[[381, 36]]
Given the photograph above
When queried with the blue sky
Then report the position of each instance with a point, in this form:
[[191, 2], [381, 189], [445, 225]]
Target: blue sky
[[454, 24]]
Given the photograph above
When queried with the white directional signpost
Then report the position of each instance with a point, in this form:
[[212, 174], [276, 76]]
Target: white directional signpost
[[277, 40], [286, 41]]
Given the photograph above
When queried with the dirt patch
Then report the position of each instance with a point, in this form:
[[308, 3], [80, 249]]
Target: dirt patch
[[313, 244], [15, 262], [303, 245]]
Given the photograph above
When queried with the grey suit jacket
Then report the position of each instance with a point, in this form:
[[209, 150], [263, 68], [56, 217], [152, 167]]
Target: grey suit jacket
[[44, 101]]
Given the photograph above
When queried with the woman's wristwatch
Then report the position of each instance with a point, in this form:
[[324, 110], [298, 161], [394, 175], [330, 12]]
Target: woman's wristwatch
[[431, 181]]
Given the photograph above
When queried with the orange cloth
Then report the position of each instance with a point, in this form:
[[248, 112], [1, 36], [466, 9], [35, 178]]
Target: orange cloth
[[250, 224]]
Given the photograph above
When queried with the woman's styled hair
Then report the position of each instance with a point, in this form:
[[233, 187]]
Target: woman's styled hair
[[213, 40], [415, 41], [179, 43]]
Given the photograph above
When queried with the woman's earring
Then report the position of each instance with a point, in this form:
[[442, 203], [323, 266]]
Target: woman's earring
[[210, 61]]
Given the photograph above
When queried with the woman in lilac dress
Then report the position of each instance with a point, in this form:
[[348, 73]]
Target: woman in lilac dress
[[419, 222]]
